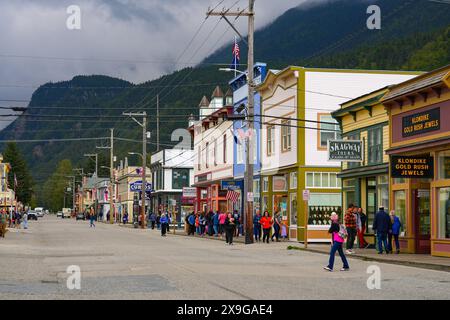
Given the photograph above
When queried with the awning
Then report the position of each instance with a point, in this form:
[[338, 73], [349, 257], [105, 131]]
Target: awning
[[419, 146], [364, 171]]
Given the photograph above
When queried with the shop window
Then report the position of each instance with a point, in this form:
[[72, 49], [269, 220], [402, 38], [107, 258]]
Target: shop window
[[444, 164], [383, 191], [265, 204], [280, 206], [328, 130], [293, 180], [375, 145], [293, 209], [322, 180], [444, 213], [180, 178], [321, 206], [400, 207]]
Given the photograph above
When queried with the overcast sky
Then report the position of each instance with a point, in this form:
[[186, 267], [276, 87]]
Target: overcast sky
[[154, 31]]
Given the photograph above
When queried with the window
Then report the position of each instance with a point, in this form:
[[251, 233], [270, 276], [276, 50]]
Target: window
[[293, 211], [444, 213], [285, 135], [225, 149], [199, 158], [207, 155], [322, 180], [400, 206], [383, 191], [375, 145], [180, 178], [328, 130], [444, 164], [270, 140], [266, 184], [279, 183], [215, 152], [293, 180]]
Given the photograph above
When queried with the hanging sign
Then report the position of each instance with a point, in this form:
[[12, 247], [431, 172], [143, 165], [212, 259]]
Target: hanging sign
[[345, 150]]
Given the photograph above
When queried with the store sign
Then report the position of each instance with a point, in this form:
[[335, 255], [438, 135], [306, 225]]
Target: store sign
[[279, 183], [306, 195], [420, 167], [422, 122], [345, 150], [189, 192], [232, 185], [250, 197], [137, 186]]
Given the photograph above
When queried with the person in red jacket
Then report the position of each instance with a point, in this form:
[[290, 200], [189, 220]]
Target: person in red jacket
[[266, 223]]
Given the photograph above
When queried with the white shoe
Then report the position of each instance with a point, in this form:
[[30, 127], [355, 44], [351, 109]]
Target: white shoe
[[348, 251]]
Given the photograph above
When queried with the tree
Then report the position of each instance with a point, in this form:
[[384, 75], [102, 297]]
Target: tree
[[19, 169], [55, 187]]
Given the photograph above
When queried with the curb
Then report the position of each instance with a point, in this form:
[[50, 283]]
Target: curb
[[437, 267]]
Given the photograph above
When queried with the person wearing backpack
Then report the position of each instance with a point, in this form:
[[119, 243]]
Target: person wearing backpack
[[339, 234]]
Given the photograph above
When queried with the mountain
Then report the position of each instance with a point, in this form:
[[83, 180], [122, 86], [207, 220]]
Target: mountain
[[415, 35]]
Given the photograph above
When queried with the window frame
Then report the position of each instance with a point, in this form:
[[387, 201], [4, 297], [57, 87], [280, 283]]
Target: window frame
[[319, 131], [376, 148]]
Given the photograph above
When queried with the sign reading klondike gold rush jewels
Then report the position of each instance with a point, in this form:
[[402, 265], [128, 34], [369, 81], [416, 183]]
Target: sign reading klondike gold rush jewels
[[412, 167], [421, 122]]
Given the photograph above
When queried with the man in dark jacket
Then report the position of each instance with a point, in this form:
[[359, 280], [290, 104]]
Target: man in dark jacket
[[381, 225]]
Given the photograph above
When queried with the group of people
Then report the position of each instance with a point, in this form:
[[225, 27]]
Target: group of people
[[386, 226], [231, 225], [12, 219]]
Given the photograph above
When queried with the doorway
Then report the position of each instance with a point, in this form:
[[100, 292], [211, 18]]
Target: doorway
[[421, 211], [371, 203]]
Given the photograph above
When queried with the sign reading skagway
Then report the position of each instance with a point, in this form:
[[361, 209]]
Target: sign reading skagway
[[345, 150]]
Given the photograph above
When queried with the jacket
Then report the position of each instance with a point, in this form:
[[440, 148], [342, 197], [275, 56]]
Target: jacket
[[334, 230], [256, 220], [350, 219], [216, 219], [164, 220], [396, 226], [382, 222], [191, 219], [266, 222]]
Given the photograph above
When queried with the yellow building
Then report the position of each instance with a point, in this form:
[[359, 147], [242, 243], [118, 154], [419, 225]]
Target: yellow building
[[7, 195], [419, 114]]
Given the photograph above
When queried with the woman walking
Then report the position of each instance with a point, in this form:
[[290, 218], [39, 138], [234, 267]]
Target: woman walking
[[230, 228], [396, 225], [91, 218], [266, 223], [338, 234], [277, 226]]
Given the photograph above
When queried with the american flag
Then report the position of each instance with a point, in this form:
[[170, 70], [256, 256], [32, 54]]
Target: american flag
[[236, 55], [232, 195]]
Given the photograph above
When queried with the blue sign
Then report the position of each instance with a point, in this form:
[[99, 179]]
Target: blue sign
[[137, 186], [232, 185]]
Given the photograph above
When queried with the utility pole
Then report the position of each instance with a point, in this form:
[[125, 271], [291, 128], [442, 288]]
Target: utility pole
[[111, 176], [249, 165], [157, 122], [144, 160]]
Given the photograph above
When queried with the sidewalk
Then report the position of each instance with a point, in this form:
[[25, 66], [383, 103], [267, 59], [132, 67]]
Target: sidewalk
[[424, 261]]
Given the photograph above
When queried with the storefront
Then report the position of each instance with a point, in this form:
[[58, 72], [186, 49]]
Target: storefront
[[419, 152]]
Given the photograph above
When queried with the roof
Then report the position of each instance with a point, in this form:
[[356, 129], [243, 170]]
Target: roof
[[367, 100], [229, 93], [217, 93], [204, 102], [423, 81]]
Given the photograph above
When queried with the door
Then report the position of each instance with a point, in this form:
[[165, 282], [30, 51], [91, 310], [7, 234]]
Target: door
[[371, 208], [421, 208]]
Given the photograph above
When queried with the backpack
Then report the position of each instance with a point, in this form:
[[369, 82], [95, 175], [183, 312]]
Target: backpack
[[342, 232]]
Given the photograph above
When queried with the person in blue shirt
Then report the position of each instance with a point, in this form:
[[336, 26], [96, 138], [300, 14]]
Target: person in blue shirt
[[191, 222], [164, 223], [382, 225], [394, 232], [257, 226], [216, 224]]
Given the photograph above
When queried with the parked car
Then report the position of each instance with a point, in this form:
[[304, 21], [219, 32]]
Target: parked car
[[81, 216], [40, 214], [32, 215], [59, 214]]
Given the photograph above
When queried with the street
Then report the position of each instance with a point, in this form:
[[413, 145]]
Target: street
[[125, 263]]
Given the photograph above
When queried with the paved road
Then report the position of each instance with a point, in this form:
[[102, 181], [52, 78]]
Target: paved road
[[124, 263]]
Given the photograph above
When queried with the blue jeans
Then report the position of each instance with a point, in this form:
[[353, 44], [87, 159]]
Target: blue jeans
[[337, 246], [382, 240], [216, 229]]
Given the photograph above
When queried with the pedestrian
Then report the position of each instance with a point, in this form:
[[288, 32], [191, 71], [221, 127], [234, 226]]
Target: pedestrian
[[230, 226], [197, 223], [91, 218], [257, 226], [362, 231], [277, 219], [164, 223], [337, 237], [125, 218], [3, 221], [25, 220], [394, 232], [284, 228], [237, 218], [158, 221], [222, 218], [210, 222], [202, 223], [266, 223], [350, 225], [191, 223], [216, 224], [381, 226], [18, 220], [152, 220]]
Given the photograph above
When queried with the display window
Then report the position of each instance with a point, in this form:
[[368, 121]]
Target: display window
[[400, 207], [321, 206], [444, 213]]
